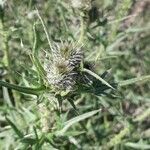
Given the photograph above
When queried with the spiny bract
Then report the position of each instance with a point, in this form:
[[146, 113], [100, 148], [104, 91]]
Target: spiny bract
[[63, 65]]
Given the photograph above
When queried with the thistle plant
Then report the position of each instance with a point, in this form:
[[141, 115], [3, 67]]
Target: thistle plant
[[66, 96], [63, 66]]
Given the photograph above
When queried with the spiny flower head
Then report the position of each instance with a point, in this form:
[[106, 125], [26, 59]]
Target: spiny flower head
[[62, 66]]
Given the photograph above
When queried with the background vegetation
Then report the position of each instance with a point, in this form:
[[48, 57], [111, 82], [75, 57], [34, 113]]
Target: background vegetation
[[116, 46]]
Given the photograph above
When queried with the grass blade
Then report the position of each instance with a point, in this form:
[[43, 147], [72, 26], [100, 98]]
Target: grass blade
[[35, 59], [134, 80], [17, 131], [45, 29], [143, 115]]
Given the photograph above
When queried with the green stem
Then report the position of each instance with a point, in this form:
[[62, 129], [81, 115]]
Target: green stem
[[37, 63], [34, 91], [81, 31], [45, 29]]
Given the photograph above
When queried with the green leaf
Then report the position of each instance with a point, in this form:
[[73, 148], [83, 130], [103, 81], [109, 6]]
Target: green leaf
[[134, 30], [117, 139], [72, 104], [30, 141], [17, 131], [74, 133], [137, 145], [77, 119], [36, 134], [134, 80], [42, 141], [35, 59], [143, 115], [98, 77], [27, 90], [116, 43], [45, 29]]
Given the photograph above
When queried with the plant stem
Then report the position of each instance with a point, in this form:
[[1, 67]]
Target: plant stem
[[45, 29], [37, 63], [81, 31]]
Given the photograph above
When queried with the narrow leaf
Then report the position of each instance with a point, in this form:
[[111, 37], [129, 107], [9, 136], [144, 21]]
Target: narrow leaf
[[27, 90], [17, 131], [98, 77], [134, 80], [36, 61], [143, 115], [138, 145], [77, 119], [45, 29]]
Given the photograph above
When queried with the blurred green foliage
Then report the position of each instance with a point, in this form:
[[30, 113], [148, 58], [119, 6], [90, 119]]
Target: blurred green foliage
[[116, 39]]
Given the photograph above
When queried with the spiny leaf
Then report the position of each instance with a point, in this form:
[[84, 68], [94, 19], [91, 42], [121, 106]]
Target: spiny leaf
[[97, 77], [27, 90]]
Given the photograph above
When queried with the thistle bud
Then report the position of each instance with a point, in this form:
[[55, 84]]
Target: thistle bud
[[62, 67]]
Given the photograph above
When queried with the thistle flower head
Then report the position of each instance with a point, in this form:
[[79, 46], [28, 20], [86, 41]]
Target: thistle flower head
[[62, 67]]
